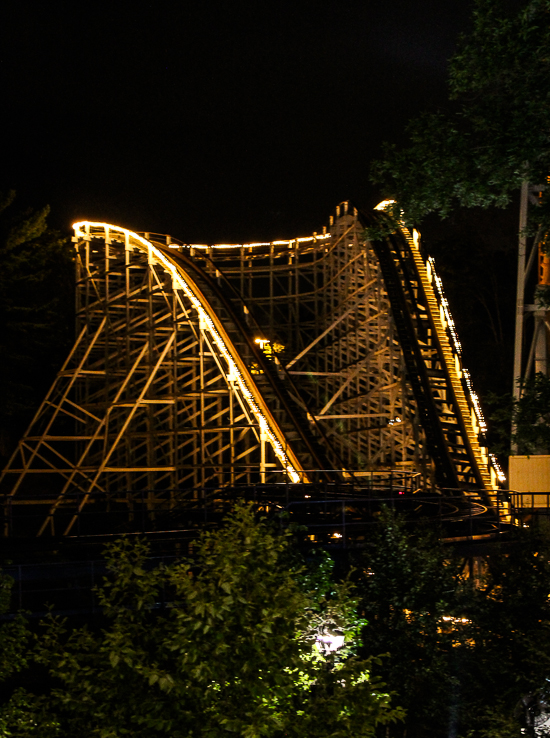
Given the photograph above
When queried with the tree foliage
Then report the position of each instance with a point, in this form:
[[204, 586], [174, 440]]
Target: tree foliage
[[15, 657], [507, 640], [36, 305], [234, 652], [531, 416], [495, 133], [409, 583], [228, 643], [461, 652], [476, 151]]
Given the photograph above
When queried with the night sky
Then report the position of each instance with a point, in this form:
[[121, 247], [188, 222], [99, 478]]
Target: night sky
[[213, 121]]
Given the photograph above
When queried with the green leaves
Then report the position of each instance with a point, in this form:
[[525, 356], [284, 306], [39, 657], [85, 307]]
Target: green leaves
[[460, 656], [36, 313], [531, 416], [233, 652], [408, 583], [474, 154]]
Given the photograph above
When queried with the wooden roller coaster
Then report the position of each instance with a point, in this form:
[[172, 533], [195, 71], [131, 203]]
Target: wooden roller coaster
[[325, 360]]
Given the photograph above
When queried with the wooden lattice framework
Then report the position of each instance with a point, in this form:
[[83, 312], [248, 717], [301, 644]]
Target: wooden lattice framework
[[217, 366], [321, 303], [153, 397]]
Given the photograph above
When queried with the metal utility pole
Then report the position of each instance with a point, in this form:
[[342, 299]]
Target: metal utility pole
[[520, 295]]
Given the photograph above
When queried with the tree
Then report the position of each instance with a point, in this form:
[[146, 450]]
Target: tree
[[492, 136], [15, 657], [237, 650], [496, 132], [36, 308], [529, 417], [460, 657], [507, 640], [408, 583]]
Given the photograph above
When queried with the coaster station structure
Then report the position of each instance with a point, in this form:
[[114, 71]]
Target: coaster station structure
[[324, 360]]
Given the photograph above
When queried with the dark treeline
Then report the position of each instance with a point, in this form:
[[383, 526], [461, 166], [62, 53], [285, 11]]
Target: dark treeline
[[36, 313], [260, 638], [462, 649]]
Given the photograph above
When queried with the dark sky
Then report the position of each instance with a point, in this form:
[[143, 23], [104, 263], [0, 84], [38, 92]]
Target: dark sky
[[212, 121]]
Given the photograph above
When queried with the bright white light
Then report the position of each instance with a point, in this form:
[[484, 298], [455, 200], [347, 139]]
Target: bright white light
[[329, 642], [501, 476], [384, 205], [475, 402], [445, 305], [287, 242]]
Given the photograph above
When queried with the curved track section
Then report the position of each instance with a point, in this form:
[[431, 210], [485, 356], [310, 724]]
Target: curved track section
[[271, 389], [204, 372], [155, 401], [218, 339]]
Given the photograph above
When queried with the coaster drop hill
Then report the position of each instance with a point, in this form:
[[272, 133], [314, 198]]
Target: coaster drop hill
[[313, 360]]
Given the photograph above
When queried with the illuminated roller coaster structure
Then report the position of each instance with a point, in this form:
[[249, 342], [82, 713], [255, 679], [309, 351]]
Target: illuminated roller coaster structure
[[319, 360]]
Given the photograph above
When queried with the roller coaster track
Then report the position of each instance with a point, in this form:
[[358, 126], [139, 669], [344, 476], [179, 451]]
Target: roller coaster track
[[326, 359], [428, 338]]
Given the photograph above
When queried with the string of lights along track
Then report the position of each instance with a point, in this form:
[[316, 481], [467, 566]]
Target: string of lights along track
[[198, 368]]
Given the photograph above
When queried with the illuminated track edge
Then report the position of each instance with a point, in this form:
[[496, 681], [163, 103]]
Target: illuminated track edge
[[207, 320], [454, 342]]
